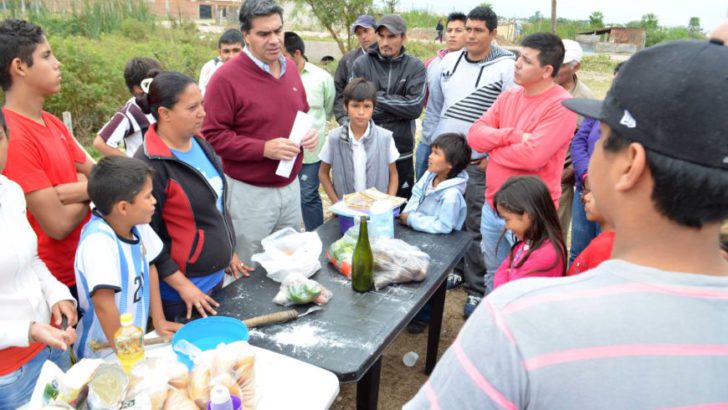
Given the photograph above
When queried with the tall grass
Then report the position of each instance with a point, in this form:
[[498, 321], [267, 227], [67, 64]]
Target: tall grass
[[88, 18], [421, 19]]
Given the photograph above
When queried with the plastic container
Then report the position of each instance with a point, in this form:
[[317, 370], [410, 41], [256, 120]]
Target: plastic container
[[346, 222], [381, 220], [129, 343], [207, 333], [221, 399]]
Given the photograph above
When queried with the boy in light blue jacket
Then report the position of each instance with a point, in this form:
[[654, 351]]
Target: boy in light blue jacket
[[437, 204]]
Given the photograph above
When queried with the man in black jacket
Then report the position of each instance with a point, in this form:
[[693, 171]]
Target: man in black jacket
[[363, 28], [400, 80]]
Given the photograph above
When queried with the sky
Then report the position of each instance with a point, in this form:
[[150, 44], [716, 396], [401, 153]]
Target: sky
[[669, 12]]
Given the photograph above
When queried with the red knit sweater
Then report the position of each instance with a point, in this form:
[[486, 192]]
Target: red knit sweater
[[246, 107]]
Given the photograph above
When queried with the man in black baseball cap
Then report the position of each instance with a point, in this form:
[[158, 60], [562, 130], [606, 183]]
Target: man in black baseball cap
[[648, 328], [400, 79], [363, 29]]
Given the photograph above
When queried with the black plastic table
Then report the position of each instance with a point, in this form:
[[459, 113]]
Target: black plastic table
[[349, 336]]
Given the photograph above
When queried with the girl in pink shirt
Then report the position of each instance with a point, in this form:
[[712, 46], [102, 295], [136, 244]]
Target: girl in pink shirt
[[525, 204]]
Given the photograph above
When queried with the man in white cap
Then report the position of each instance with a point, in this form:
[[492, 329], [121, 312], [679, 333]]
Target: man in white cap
[[568, 79]]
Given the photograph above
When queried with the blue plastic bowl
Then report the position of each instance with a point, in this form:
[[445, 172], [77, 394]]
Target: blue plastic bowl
[[207, 333]]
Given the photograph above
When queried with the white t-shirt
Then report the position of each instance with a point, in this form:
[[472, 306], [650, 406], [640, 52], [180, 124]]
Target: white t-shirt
[[207, 71], [359, 156], [99, 265]]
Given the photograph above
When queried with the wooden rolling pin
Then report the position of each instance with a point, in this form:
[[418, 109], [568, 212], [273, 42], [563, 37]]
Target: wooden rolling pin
[[278, 317]]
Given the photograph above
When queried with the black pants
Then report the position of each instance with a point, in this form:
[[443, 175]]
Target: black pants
[[406, 174]]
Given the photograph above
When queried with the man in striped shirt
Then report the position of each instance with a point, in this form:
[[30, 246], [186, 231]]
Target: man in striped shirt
[[648, 329], [464, 85]]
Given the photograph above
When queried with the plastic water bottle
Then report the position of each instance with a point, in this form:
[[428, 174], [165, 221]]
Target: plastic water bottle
[[381, 222], [220, 399], [129, 343]]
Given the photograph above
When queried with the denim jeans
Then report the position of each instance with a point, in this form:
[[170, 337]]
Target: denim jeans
[[421, 155], [311, 207], [496, 244], [582, 230], [17, 387]]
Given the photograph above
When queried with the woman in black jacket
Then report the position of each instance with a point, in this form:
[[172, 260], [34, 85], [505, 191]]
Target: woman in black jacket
[[190, 188]]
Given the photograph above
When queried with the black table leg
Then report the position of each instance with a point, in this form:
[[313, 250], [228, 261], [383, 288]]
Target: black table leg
[[437, 303], [367, 389]]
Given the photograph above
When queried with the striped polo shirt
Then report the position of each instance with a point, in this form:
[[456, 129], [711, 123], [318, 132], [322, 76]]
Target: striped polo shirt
[[621, 336]]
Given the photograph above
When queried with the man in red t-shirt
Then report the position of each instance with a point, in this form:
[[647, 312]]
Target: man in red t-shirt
[[43, 157]]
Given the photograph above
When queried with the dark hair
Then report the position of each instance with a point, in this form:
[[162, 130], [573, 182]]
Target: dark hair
[[257, 8], [3, 124], [527, 194], [456, 16], [116, 178], [456, 149], [293, 42], [136, 70], [550, 47], [360, 89], [231, 36], [685, 193], [164, 91], [18, 39], [486, 14]]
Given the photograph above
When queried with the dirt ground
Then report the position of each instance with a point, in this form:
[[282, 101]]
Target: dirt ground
[[399, 383]]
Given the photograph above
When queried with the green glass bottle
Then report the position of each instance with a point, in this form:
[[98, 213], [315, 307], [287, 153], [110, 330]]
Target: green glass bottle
[[362, 261]]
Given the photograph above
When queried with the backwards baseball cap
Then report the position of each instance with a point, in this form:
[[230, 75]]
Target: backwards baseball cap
[[393, 23], [673, 99], [572, 51], [365, 21]]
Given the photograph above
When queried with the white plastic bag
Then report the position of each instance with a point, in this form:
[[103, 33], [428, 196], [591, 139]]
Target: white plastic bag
[[288, 251]]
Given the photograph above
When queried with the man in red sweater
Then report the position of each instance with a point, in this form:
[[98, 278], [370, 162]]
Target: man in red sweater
[[525, 132], [251, 103]]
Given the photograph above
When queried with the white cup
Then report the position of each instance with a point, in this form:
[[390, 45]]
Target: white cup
[[410, 358]]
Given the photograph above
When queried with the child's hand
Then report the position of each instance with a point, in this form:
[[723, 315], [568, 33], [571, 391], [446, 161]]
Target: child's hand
[[166, 328], [403, 218], [237, 268]]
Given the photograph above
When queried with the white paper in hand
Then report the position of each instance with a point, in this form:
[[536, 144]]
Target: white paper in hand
[[301, 126]]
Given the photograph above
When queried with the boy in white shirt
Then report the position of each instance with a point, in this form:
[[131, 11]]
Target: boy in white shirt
[[114, 257], [360, 154]]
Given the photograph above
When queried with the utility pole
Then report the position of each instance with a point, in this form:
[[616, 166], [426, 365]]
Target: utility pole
[[553, 16]]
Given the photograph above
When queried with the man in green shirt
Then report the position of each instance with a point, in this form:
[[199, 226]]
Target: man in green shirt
[[320, 92]]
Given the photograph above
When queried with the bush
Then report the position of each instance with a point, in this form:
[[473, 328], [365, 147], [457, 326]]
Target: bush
[[93, 85]]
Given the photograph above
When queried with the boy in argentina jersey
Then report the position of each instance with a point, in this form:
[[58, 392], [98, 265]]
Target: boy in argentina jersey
[[114, 255]]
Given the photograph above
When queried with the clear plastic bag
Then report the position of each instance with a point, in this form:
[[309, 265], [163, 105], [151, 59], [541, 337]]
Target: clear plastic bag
[[395, 261], [296, 289], [288, 251]]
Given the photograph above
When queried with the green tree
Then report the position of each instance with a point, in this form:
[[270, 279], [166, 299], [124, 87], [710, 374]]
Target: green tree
[[390, 6], [694, 24], [337, 16], [649, 22], [596, 20]]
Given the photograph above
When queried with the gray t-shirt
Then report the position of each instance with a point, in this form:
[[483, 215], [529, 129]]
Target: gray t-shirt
[[621, 336]]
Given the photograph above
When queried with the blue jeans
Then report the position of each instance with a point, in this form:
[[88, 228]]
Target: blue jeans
[[496, 244], [421, 155], [17, 387], [311, 207], [582, 230]]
